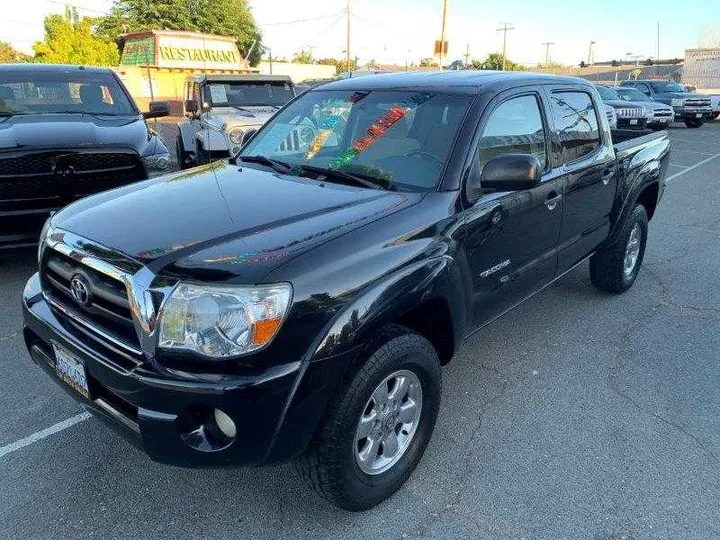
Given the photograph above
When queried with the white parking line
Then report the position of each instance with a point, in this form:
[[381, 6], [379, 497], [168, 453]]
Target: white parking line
[[698, 164], [39, 435], [692, 152], [676, 165], [694, 141]]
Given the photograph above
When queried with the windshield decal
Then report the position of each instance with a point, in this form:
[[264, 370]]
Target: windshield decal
[[378, 128]]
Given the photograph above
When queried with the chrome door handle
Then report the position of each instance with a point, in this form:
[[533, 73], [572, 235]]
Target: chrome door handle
[[552, 202], [607, 175]]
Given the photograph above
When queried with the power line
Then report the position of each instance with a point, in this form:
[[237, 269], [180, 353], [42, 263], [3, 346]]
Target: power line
[[547, 46], [296, 21], [81, 8]]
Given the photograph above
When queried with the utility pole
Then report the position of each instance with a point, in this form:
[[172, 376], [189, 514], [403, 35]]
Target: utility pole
[[590, 53], [547, 51], [347, 45], [467, 53], [442, 35], [506, 26], [657, 50]]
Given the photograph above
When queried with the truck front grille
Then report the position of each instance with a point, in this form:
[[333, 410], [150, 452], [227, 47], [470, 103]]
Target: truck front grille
[[662, 113], [697, 102], [629, 112], [51, 179], [107, 315]]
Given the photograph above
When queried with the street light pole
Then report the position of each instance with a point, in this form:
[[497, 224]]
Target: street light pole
[[547, 51], [506, 26], [347, 47]]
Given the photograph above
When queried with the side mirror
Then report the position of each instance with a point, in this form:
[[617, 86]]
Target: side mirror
[[191, 106], [158, 109], [509, 172]]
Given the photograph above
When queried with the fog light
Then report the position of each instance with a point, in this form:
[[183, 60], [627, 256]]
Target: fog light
[[225, 424]]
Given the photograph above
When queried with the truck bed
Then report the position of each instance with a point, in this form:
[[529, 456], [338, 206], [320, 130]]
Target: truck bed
[[627, 142]]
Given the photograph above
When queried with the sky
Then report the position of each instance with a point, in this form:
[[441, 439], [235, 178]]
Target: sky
[[400, 31]]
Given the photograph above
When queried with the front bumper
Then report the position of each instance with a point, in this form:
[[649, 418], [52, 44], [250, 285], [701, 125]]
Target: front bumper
[[632, 123], [686, 113], [275, 410]]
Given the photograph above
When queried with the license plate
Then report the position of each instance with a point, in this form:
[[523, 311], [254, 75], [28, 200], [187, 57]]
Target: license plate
[[633, 122], [698, 115], [71, 371]]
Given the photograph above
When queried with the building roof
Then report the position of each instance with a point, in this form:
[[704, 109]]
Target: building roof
[[469, 80]]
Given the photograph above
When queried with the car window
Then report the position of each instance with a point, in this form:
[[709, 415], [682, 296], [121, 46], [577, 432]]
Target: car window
[[576, 123], [514, 127]]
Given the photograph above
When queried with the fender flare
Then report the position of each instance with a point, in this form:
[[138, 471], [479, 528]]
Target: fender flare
[[212, 140], [187, 135], [388, 299]]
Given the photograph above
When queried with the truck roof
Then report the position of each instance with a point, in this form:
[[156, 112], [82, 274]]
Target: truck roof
[[469, 81], [220, 77], [52, 68]]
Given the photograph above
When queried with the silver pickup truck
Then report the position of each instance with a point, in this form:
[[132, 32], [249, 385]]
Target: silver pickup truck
[[222, 111]]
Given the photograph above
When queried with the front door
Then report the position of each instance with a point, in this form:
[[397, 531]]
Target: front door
[[511, 236]]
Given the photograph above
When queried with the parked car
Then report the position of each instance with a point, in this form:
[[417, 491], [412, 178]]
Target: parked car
[[300, 302], [715, 105], [307, 84], [611, 116], [693, 109], [629, 115], [67, 132], [224, 110], [660, 116]]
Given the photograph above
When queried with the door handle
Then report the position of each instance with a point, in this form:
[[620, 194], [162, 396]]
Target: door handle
[[552, 200], [607, 175]]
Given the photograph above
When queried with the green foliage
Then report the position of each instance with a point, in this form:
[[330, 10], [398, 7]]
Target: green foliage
[[494, 61], [222, 17], [428, 62], [303, 57], [69, 39], [10, 55]]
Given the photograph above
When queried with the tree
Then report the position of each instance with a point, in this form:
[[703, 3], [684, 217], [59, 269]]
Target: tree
[[494, 61], [427, 62], [10, 55], [223, 17], [303, 57], [69, 39]]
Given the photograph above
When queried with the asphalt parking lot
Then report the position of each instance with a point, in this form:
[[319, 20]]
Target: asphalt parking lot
[[577, 416]]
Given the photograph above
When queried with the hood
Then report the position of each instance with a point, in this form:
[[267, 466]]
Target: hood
[[622, 104], [220, 222], [678, 95], [654, 105], [74, 131], [248, 116]]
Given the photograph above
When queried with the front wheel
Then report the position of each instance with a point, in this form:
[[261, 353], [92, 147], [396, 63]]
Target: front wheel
[[614, 268], [696, 123], [378, 424]]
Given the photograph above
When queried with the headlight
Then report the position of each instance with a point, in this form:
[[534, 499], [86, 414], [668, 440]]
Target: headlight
[[236, 135], [649, 114], [677, 102], [219, 322], [157, 162]]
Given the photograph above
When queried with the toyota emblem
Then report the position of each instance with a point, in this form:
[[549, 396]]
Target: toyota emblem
[[80, 290]]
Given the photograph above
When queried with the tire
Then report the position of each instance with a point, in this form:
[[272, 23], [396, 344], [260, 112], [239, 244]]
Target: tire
[[202, 156], [332, 463], [183, 157], [694, 123], [609, 267]]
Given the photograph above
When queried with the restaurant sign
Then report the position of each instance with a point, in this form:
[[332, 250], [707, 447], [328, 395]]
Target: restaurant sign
[[175, 50]]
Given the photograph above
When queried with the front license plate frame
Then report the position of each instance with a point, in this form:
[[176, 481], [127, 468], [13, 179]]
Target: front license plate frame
[[71, 370]]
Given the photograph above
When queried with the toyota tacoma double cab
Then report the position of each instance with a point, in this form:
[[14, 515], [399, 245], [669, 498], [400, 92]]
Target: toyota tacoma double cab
[[222, 111], [691, 108], [67, 132], [298, 302]]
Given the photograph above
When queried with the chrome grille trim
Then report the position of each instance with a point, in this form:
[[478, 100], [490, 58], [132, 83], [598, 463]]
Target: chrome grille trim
[[629, 112]]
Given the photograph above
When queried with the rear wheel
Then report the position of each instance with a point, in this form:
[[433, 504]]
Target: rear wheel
[[378, 424], [615, 268], [695, 123]]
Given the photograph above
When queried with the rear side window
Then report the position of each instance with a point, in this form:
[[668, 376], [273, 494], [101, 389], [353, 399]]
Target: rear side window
[[576, 123], [514, 127]]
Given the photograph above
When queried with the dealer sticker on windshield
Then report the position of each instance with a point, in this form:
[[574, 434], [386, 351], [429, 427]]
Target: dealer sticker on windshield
[[71, 371]]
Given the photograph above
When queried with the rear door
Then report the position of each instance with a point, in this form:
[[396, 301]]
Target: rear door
[[583, 155], [511, 236]]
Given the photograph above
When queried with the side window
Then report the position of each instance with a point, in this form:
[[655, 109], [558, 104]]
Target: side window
[[514, 127], [644, 88], [576, 122]]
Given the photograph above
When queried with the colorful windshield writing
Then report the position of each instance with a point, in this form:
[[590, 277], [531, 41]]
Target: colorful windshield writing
[[378, 128]]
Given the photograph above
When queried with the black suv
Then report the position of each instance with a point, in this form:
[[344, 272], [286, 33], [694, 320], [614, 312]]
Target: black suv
[[67, 132]]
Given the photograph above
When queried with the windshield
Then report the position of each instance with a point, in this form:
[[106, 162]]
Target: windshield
[[249, 94], [632, 94], [607, 93], [75, 91], [665, 86], [399, 139]]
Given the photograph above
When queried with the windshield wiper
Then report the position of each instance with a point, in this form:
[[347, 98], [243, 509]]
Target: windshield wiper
[[239, 108], [278, 166], [370, 182]]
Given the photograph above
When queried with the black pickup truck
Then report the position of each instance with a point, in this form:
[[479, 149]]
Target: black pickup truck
[[299, 301], [67, 132]]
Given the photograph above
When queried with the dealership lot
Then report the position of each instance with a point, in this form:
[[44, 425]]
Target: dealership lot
[[579, 415]]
